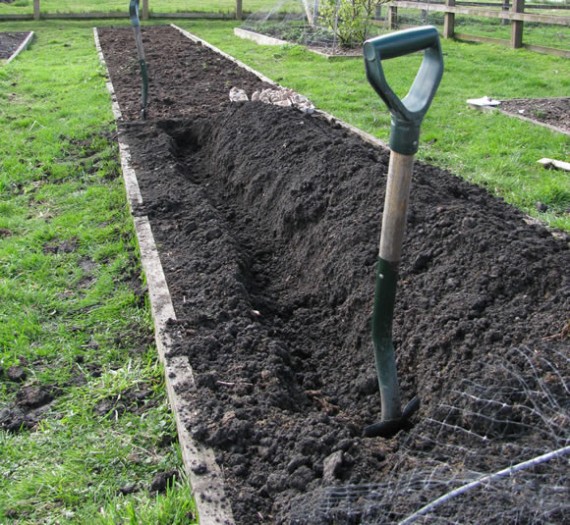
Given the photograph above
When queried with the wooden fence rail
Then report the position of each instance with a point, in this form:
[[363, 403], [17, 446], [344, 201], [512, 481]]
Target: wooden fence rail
[[516, 16]]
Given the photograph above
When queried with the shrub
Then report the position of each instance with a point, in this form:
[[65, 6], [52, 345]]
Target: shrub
[[350, 20]]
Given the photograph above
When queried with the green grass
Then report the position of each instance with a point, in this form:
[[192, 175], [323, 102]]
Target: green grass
[[72, 311], [537, 34], [534, 33]]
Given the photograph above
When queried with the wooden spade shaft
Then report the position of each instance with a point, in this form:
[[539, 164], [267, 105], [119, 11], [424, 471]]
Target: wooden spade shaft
[[396, 206], [393, 229]]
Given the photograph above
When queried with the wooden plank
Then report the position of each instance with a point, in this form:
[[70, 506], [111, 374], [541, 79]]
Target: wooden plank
[[522, 117], [206, 477], [196, 16], [502, 42], [7, 18], [547, 50], [449, 21], [84, 16], [23, 46], [258, 38], [556, 164], [393, 15], [482, 39]]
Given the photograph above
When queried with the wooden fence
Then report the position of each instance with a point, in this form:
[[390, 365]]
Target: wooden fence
[[515, 15], [508, 11]]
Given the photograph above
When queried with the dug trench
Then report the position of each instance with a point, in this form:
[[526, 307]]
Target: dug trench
[[267, 221]]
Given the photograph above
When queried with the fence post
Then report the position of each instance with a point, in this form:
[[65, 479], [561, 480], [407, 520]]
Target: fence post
[[517, 25], [392, 16], [239, 10], [37, 10], [449, 21], [145, 12]]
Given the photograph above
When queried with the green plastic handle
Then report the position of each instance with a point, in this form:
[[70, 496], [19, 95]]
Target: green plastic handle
[[408, 113]]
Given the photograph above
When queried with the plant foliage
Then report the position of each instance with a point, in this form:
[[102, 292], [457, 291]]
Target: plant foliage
[[350, 20]]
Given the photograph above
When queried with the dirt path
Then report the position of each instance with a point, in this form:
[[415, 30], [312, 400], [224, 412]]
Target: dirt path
[[267, 220]]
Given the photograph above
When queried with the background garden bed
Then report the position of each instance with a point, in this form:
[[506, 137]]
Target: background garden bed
[[11, 43]]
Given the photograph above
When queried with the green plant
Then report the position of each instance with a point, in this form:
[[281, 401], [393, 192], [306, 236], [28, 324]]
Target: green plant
[[350, 20]]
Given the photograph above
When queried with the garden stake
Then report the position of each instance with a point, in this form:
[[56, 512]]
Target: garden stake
[[406, 117], [135, 22]]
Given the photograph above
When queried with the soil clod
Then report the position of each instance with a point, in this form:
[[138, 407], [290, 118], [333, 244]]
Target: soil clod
[[163, 480]]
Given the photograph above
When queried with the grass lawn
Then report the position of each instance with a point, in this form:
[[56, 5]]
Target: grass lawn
[[73, 313], [547, 35]]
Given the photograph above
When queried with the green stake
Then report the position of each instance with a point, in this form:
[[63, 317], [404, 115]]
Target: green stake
[[407, 115], [135, 22]]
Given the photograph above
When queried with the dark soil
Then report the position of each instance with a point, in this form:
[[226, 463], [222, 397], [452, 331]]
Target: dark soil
[[552, 111], [267, 221], [30, 404], [9, 42]]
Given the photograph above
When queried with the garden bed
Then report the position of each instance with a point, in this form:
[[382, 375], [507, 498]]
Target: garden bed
[[267, 223], [328, 51], [552, 112], [13, 43]]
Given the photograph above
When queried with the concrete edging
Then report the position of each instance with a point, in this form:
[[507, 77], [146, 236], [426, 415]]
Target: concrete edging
[[203, 472], [264, 40]]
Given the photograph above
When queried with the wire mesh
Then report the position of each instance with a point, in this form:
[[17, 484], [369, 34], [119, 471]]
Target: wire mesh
[[518, 410], [325, 24], [418, 17]]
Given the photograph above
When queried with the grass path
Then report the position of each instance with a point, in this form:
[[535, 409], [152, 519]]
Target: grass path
[[73, 312]]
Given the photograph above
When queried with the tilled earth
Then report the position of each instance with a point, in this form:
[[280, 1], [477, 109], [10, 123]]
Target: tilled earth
[[552, 111], [267, 221], [9, 42]]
